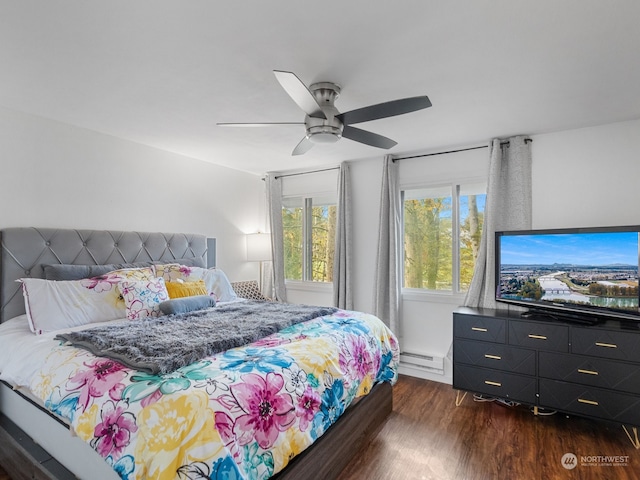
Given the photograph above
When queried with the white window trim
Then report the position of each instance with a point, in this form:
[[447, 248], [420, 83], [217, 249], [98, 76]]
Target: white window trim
[[309, 286], [432, 296]]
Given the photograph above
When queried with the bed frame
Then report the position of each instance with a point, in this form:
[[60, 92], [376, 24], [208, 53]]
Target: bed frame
[[26, 452]]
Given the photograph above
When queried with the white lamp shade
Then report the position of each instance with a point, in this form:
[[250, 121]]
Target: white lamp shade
[[258, 247]]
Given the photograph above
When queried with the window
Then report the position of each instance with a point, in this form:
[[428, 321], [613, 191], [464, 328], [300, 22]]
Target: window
[[442, 229], [309, 225]]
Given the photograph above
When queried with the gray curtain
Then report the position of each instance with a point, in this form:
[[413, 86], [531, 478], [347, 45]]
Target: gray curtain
[[386, 295], [274, 202], [266, 279], [342, 272], [508, 207]]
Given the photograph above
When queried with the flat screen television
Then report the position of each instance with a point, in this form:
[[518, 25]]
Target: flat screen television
[[580, 274]]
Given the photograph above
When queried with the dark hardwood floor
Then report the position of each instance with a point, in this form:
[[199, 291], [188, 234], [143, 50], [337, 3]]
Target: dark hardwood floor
[[428, 438]]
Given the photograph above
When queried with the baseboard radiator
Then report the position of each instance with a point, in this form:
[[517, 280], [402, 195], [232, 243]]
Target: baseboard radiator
[[423, 361]]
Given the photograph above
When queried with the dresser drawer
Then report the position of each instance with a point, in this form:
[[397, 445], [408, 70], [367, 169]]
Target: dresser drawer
[[492, 355], [590, 401], [478, 327], [541, 336], [495, 383], [595, 372], [619, 345]]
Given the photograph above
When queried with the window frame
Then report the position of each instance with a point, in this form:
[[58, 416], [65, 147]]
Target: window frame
[[454, 187], [330, 199]]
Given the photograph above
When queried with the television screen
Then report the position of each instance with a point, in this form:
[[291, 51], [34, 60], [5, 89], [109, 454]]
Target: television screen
[[590, 271]]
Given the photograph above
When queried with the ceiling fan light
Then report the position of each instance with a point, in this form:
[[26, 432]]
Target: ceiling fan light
[[324, 134], [324, 138]]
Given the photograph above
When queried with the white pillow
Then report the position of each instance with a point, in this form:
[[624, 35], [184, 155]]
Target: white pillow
[[218, 283], [215, 280], [58, 304], [54, 305]]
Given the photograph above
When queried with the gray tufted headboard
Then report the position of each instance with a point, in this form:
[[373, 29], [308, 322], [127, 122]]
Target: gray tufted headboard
[[25, 250]]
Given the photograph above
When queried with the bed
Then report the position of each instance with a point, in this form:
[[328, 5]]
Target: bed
[[299, 404]]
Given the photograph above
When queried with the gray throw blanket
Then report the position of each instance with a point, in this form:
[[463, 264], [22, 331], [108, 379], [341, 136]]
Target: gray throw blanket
[[163, 344]]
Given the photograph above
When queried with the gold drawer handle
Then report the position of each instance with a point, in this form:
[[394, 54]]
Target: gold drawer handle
[[588, 402], [479, 329], [537, 337], [588, 372], [607, 345], [492, 357], [494, 384]]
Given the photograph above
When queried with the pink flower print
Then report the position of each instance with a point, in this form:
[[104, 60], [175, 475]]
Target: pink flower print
[[137, 310], [343, 314], [113, 433], [115, 393], [99, 284], [102, 376], [185, 271], [268, 412], [151, 399], [308, 405], [357, 358], [157, 287], [271, 341], [224, 426]]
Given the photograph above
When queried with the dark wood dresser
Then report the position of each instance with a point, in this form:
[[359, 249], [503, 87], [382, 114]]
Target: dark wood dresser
[[586, 370]]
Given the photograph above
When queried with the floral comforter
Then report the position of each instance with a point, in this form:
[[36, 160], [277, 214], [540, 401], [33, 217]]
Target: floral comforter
[[240, 414]]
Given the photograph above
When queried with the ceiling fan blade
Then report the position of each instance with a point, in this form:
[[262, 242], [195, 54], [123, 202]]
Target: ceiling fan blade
[[368, 138], [300, 94], [274, 124], [384, 110], [303, 147]]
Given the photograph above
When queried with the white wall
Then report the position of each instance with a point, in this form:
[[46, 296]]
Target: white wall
[[57, 175], [585, 177]]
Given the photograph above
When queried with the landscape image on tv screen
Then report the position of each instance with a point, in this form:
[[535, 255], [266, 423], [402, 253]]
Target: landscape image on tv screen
[[585, 270]]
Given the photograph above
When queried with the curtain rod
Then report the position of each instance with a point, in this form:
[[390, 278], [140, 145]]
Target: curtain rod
[[526, 140], [305, 173], [505, 143]]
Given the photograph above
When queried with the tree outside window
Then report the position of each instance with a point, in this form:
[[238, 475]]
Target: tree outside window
[[442, 231], [309, 226]]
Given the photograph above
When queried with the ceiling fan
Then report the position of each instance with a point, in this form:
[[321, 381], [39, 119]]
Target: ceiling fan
[[325, 124]]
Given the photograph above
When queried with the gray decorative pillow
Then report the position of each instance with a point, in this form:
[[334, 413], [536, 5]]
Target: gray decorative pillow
[[187, 304], [78, 272], [189, 262]]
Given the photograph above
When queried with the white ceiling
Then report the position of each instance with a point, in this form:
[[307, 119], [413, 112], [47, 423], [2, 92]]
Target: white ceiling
[[163, 73]]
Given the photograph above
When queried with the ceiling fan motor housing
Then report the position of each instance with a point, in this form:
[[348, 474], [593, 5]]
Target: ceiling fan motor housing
[[321, 130]]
